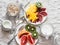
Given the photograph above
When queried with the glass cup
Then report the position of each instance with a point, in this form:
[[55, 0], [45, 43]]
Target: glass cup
[[13, 10], [57, 38]]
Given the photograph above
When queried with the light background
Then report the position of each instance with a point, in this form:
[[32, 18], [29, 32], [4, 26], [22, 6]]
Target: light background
[[53, 10]]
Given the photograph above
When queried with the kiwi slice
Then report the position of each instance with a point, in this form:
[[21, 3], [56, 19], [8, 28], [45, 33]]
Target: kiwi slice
[[35, 35], [33, 29], [28, 27], [39, 4]]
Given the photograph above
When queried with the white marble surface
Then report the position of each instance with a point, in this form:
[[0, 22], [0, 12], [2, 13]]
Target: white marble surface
[[53, 10]]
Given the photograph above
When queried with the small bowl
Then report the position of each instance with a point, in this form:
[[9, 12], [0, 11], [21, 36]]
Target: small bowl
[[6, 25], [20, 27]]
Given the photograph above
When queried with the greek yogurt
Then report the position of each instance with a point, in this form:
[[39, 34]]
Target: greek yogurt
[[6, 25]]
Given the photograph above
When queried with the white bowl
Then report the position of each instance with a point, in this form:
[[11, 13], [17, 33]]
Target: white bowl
[[17, 39], [37, 23], [6, 25]]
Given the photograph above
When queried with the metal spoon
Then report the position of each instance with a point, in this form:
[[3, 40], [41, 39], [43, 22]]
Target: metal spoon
[[14, 35]]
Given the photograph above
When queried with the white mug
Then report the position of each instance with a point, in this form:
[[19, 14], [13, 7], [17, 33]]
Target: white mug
[[47, 30]]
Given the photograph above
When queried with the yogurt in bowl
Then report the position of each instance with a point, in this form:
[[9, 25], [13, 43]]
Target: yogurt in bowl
[[6, 25]]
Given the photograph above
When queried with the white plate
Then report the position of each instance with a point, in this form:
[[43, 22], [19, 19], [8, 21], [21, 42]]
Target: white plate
[[17, 39], [44, 18]]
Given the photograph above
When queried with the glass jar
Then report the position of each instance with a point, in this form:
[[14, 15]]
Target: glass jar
[[57, 38]]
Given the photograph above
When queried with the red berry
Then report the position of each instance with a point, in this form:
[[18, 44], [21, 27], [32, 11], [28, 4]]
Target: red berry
[[23, 40], [30, 39], [43, 13]]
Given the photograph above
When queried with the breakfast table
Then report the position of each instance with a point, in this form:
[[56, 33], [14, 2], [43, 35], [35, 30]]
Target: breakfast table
[[53, 10]]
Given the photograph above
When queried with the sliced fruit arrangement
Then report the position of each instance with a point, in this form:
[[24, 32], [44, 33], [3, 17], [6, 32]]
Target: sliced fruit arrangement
[[31, 39], [36, 12], [23, 40], [26, 37], [22, 32], [32, 29]]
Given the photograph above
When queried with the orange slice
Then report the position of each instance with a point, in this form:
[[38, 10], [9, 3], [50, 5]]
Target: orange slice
[[23, 32]]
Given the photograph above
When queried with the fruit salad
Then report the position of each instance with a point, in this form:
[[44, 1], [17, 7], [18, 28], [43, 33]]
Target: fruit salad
[[28, 35], [36, 12]]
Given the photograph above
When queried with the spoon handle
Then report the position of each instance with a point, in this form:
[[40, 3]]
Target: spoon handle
[[12, 39]]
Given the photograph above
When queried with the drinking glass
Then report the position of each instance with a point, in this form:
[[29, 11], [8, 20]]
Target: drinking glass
[[57, 38]]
